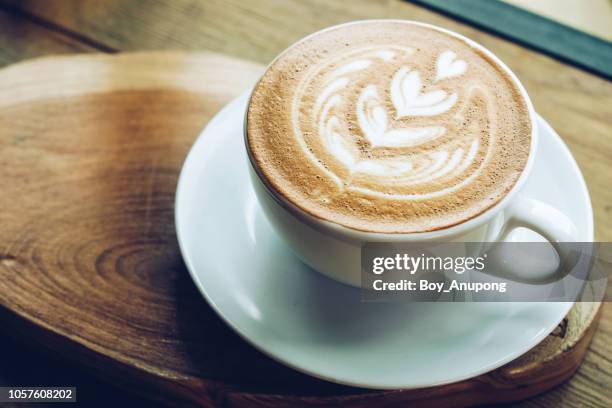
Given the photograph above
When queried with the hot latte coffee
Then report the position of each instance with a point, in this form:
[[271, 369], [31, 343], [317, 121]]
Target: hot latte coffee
[[388, 126]]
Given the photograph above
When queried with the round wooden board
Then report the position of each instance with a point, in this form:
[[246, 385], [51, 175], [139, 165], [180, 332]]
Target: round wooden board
[[91, 149]]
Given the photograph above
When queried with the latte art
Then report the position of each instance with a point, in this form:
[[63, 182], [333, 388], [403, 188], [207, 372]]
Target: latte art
[[382, 128], [388, 127]]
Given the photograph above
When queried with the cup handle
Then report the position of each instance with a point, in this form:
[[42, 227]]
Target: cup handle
[[542, 218], [552, 224]]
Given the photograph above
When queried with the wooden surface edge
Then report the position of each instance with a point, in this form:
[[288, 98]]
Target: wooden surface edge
[[140, 70], [208, 393]]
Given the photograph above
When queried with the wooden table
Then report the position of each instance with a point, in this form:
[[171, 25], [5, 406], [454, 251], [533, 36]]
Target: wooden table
[[577, 104]]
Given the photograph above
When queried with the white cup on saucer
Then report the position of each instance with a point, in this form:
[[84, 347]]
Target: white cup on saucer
[[335, 250]]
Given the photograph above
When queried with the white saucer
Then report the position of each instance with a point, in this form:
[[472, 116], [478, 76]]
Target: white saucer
[[318, 326]]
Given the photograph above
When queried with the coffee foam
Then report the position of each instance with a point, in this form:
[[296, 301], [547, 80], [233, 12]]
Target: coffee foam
[[388, 126]]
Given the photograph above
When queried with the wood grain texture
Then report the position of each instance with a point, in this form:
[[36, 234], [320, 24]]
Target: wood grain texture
[[91, 148], [21, 39]]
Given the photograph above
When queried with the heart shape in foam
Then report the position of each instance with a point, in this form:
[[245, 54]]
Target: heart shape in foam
[[409, 99], [448, 66], [373, 121]]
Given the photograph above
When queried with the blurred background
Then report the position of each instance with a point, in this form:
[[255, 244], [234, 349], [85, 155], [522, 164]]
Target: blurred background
[[591, 16]]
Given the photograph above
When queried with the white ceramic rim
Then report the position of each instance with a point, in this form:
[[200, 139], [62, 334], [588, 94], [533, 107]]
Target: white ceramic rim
[[180, 192], [345, 232]]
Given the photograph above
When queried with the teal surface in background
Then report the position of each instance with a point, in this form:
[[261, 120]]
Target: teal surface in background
[[532, 30]]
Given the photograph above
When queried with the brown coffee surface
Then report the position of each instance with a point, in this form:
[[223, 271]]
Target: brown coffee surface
[[388, 126]]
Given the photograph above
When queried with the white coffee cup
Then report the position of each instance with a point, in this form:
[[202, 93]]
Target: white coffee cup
[[335, 250]]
